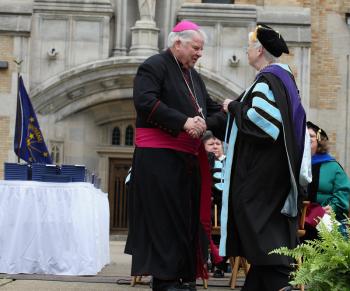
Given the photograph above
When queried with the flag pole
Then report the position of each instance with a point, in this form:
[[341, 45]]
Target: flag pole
[[18, 63]]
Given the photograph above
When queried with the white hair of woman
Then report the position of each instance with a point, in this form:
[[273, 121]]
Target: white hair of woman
[[256, 44], [184, 36]]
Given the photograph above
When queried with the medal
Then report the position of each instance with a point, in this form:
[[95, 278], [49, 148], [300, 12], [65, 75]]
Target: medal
[[193, 94]]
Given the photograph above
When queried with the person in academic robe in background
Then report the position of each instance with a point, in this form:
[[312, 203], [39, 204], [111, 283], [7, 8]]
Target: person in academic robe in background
[[172, 106], [263, 160], [213, 145], [330, 186], [216, 157]]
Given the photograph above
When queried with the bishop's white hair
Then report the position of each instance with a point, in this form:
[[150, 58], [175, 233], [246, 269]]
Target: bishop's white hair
[[184, 36]]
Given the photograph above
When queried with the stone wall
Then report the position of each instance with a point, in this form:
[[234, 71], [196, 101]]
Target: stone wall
[[328, 72], [321, 71], [6, 50], [283, 3], [325, 78], [65, 35], [328, 67], [5, 142]]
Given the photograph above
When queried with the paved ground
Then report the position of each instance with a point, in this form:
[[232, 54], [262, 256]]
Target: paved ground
[[114, 277]]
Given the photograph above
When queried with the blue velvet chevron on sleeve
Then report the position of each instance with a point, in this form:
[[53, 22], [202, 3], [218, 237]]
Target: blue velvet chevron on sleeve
[[264, 112]]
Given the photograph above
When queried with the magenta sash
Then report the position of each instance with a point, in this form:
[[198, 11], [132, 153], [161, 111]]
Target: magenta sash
[[156, 138]]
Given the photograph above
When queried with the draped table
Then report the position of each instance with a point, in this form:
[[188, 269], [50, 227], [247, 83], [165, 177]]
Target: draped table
[[53, 228]]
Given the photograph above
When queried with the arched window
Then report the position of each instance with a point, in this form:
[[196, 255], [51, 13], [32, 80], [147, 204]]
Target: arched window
[[116, 136], [129, 135], [55, 154]]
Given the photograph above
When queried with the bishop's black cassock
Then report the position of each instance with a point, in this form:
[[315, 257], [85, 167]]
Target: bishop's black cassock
[[165, 184]]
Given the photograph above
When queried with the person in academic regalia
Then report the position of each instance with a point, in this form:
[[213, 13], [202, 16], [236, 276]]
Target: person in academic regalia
[[330, 186], [172, 105], [263, 161], [216, 157]]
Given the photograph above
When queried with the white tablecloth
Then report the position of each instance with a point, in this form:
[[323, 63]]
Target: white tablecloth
[[53, 228]]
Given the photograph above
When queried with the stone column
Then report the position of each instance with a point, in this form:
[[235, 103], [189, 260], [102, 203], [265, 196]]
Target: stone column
[[144, 35], [120, 11], [166, 18]]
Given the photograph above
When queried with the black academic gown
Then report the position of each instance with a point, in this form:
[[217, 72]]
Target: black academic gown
[[165, 184], [260, 183]]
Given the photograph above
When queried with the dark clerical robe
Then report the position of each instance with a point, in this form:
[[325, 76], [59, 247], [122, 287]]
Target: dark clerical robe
[[263, 163], [165, 185]]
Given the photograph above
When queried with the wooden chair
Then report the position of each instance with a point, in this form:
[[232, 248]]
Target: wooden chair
[[135, 280], [236, 263], [301, 230], [205, 283], [215, 229]]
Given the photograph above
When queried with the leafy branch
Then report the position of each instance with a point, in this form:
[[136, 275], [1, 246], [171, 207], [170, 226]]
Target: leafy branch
[[325, 261]]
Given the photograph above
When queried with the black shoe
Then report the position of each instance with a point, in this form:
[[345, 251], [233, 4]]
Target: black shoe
[[218, 273], [165, 285], [178, 287]]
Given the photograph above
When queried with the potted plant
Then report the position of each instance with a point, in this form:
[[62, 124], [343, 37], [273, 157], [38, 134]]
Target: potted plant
[[325, 261]]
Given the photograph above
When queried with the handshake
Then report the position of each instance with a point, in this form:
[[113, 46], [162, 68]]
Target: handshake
[[195, 126]]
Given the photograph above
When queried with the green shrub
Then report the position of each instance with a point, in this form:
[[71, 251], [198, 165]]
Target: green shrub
[[326, 261]]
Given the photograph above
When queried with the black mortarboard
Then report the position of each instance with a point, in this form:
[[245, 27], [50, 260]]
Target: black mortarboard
[[318, 130], [271, 40]]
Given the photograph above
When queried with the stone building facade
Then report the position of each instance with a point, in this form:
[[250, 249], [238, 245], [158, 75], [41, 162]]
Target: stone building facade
[[79, 58]]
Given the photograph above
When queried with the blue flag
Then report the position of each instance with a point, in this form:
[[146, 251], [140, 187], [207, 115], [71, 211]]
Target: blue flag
[[29, 143]]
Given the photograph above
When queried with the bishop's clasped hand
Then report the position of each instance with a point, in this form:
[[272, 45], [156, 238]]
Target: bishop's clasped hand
[[195, 126]]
